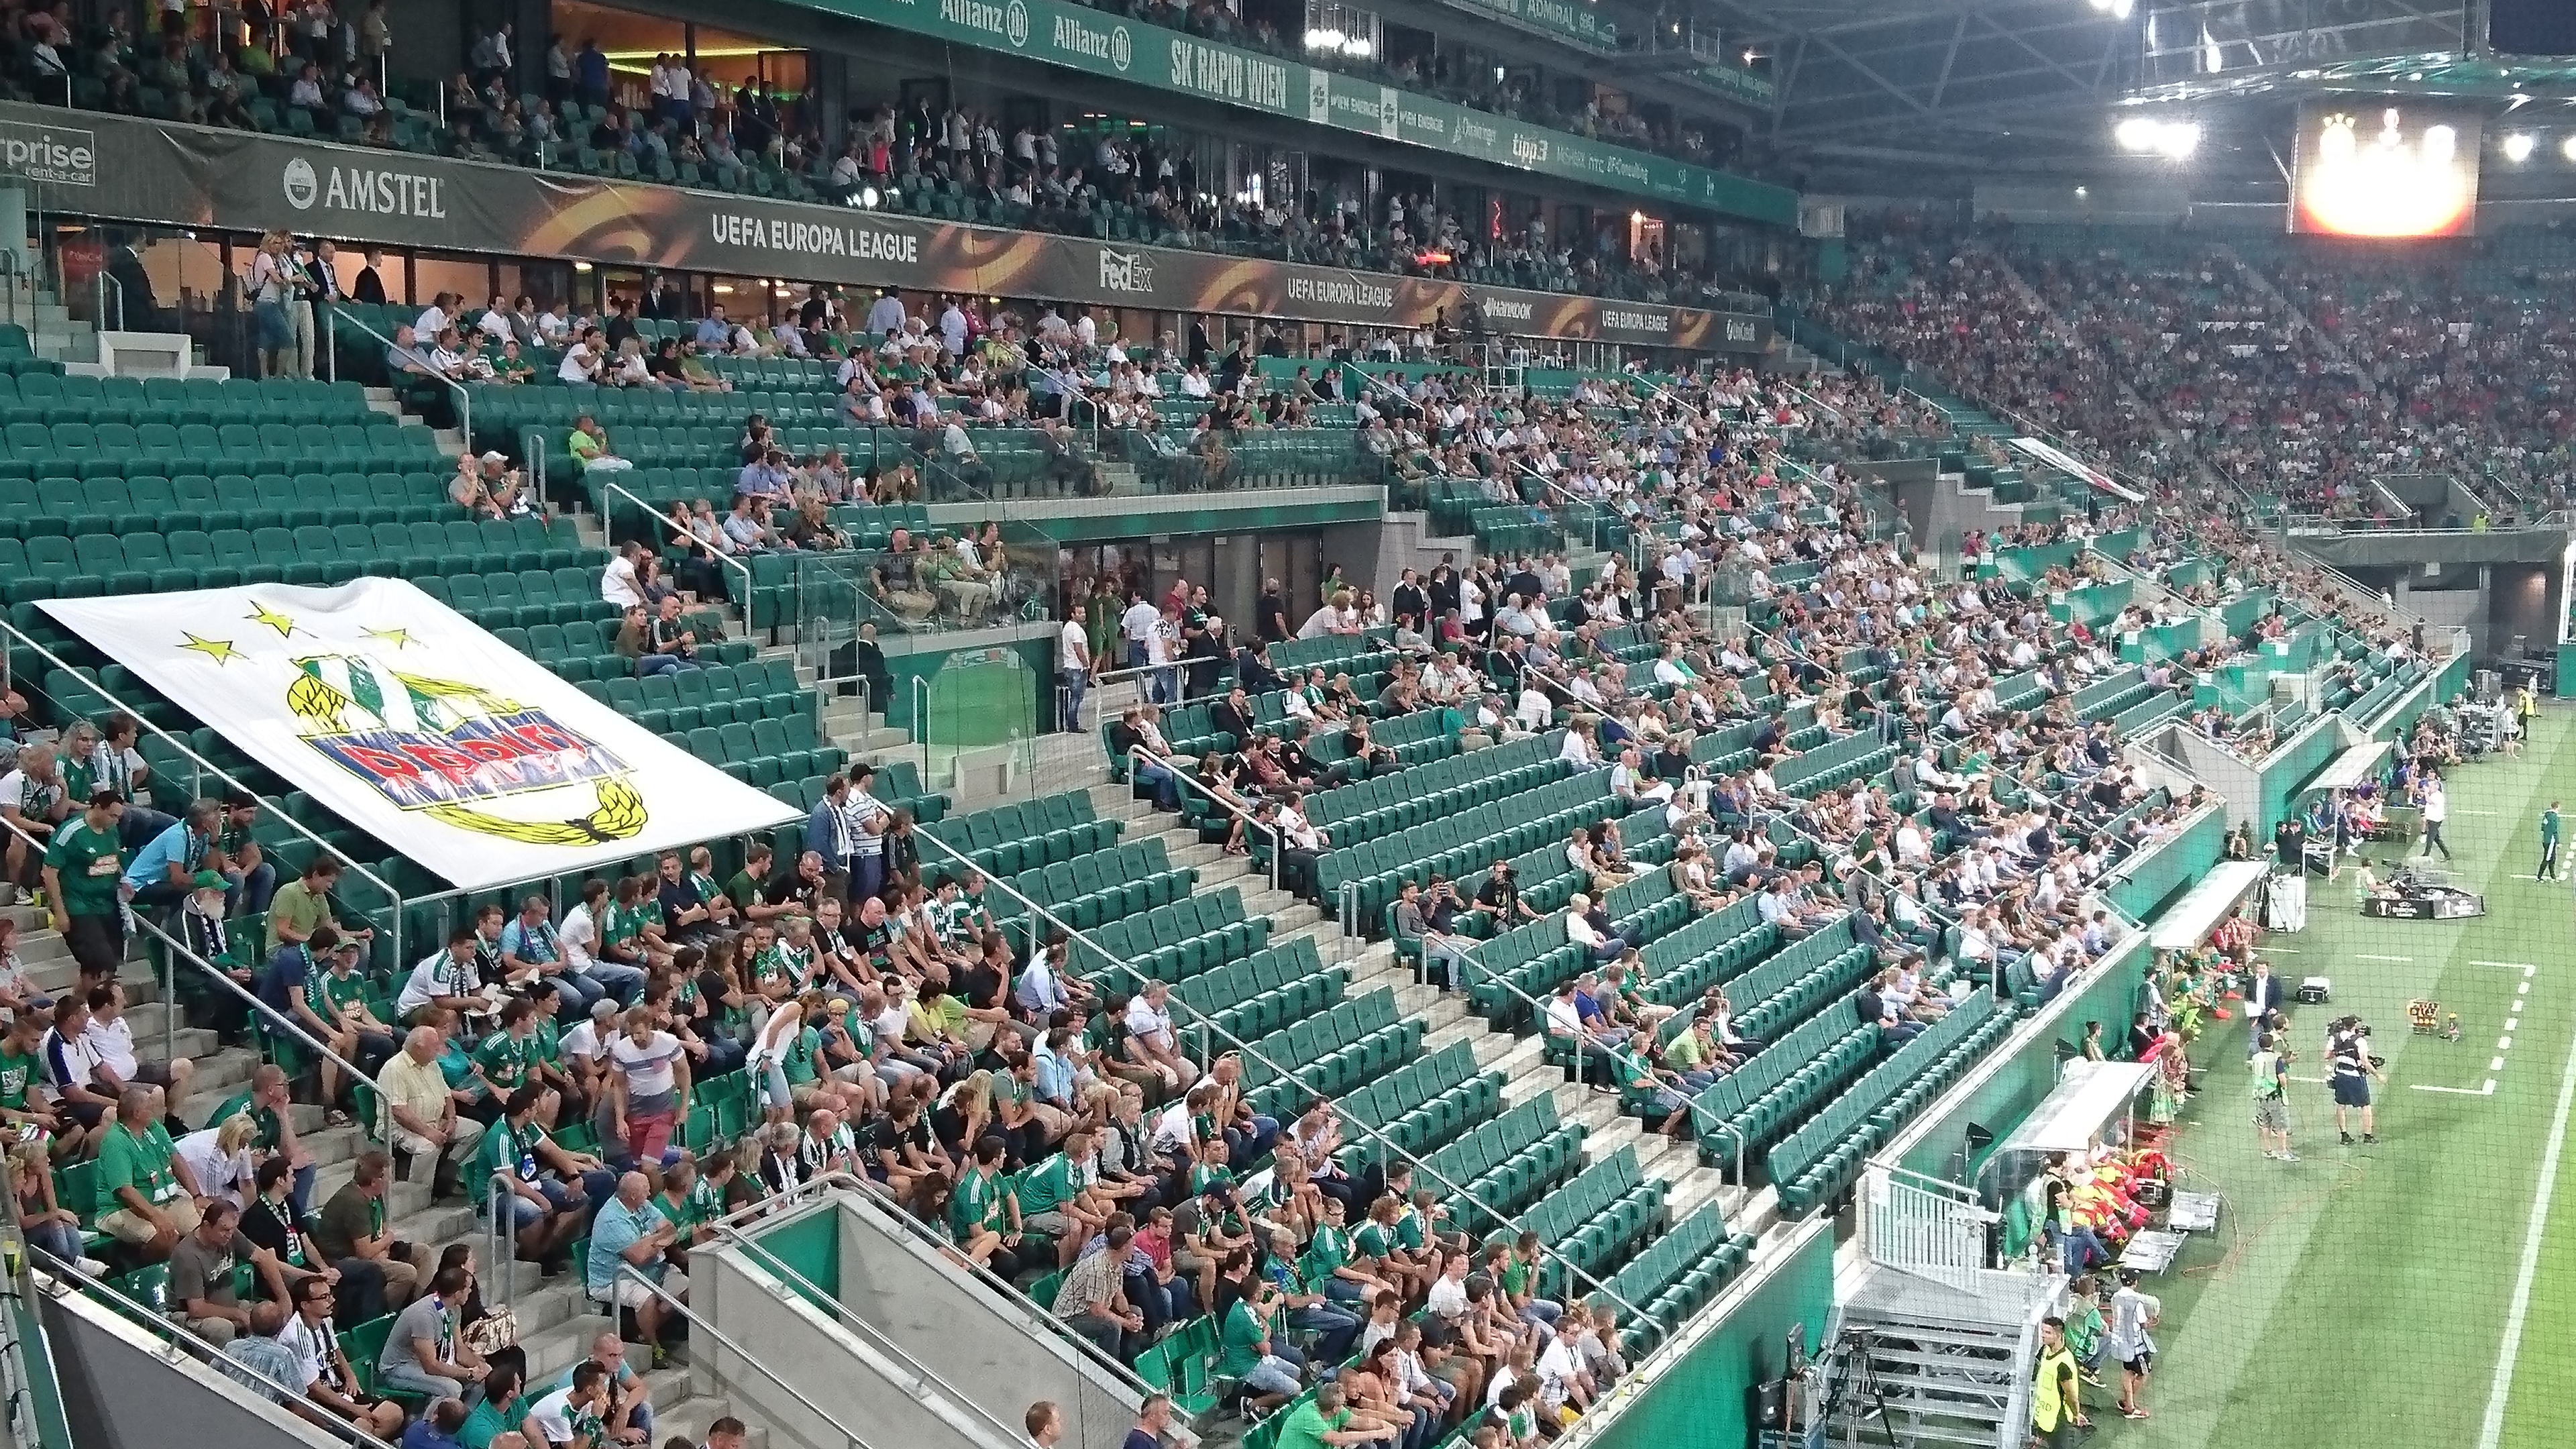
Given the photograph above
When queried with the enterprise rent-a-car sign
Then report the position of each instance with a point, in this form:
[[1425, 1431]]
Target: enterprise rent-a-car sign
[[123, 168]]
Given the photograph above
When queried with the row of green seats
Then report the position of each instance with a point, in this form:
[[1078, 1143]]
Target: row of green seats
[[1825, 964], [1271, 990], [1105, 885], [1819, 1160], [1170, 943], [1505, 1164], [143, 562], [1334, 1051], [60, 449], [1591, 1224], [1007, 839], [1779, 1083], [1419, 1106]]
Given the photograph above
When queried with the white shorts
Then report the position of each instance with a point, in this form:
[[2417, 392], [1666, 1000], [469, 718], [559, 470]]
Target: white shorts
[[630, 1294]]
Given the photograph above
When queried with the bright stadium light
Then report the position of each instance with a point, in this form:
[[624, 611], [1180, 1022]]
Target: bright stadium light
[[2517, 147], [2179, 139], [2137, 134], [2120, 8], [2567, 148]]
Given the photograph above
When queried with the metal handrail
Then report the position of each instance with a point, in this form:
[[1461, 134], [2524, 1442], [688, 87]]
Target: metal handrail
[[100, 284], [1208, 1027], [726, 1342], [532, 445], [1136, 754], [464, 395], [728, 560], [68, 1282], [924, 1377], [1369, 380], [734, 1225], [285, 1022], [210, 768]]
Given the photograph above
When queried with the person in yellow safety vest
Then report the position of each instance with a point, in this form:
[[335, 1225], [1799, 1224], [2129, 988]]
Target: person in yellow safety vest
[[2057, 1397]]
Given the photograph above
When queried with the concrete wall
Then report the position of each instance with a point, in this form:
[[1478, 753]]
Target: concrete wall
[[978, 1341], [848, 1389], [118, 1393]]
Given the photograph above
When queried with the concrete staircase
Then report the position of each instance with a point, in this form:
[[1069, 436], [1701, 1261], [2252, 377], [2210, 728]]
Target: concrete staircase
[[556, 1325]]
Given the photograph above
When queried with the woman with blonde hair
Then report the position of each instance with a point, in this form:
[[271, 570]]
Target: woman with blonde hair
[[44, 1221], [220, 1156]]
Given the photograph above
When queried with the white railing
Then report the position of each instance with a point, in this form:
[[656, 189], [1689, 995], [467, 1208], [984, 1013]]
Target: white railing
[[1923, 1225]]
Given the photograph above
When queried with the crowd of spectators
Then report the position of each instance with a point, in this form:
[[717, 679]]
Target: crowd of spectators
[[2281, 372], [318, 67]]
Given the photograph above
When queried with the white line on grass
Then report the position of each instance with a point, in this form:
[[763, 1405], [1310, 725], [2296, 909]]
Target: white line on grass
[[2477, 812], [2360, 957], [2525, 967], [2495, 1064], [2488, 1090], [2491, 1430]]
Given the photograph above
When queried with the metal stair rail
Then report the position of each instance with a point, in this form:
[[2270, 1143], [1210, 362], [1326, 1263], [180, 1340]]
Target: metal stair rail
[[848, 1438], [1922, 1224]]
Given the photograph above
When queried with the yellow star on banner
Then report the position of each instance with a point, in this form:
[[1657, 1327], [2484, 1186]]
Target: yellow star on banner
[[262, 614], [399, 638], [219, 650]]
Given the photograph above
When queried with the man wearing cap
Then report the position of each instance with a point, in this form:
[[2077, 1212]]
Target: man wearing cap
[[199, 927], [85, 886], [164, 869], [238, 858]]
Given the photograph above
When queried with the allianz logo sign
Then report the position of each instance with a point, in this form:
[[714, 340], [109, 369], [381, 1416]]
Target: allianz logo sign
[[1011, 22], [1072, 37], [1126, 271]]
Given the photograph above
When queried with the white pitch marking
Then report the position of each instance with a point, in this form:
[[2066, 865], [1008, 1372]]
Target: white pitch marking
[[2382, 958], [2504, 1043], [2495, 1064], [2485, 1091], [2491, 1430], [2525, 967]]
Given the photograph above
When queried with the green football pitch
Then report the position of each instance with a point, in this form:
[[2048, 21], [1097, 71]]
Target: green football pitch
[[2422, 1291]]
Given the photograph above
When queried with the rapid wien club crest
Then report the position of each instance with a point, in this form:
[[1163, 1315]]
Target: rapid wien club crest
[[450, 749]]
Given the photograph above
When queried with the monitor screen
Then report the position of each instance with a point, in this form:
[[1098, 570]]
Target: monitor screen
[[2381, 166]]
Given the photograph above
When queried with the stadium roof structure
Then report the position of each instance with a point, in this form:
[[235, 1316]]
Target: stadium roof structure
[[2038, 84]]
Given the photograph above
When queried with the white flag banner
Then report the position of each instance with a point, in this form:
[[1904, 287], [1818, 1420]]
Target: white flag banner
[[2064, 462], [415, 725]]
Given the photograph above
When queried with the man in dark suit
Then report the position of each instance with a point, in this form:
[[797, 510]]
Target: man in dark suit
[[370, 286], [2265, 993]]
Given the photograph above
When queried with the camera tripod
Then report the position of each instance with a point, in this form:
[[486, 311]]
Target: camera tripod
[[1857, 1391]]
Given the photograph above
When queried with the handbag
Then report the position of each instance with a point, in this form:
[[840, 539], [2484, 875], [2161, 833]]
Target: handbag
[[493, 1332]]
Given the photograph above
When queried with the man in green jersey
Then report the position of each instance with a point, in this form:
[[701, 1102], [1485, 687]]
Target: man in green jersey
[[2548, 843], [147, 1198], [85, 885]]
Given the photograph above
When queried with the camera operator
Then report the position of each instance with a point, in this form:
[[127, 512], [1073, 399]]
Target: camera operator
[[2352, 1069], [2271, 1068]]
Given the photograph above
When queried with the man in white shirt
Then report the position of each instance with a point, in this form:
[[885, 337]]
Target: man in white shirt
[[1628, 781], [618, 583], [1073, 671], [1155, 1044], [1136, 626]]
